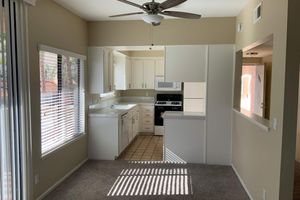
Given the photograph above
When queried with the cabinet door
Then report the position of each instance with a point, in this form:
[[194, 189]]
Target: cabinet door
[[149, 74], [128, 69], [187, 63], [124, 134], [108, 72], [119, 71], [160, 67], [130, 129], [138, 74], [136, 124]]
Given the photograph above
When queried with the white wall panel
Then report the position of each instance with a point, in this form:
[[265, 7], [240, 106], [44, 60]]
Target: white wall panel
[[219, 104]]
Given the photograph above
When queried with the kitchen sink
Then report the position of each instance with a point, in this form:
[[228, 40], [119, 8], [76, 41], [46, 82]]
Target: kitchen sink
[[122, 106]]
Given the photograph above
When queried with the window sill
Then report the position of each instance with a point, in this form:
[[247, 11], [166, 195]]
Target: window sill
[[256, 120], [64, 145]]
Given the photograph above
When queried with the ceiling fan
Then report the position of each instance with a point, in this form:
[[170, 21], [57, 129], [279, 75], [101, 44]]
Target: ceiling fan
[[154, 10]]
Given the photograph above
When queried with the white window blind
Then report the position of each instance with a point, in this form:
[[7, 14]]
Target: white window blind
[[62, 100]]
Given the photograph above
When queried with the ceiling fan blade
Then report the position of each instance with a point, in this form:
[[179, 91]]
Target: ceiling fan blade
[[181, 14], [171, 3], [127, 14], [132, 4]]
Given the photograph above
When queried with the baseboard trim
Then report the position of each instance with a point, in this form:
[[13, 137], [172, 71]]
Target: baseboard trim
[[61, 180], [242, 182]]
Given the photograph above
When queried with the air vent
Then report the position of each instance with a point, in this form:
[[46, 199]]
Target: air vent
[[257, 13], [252, 53]]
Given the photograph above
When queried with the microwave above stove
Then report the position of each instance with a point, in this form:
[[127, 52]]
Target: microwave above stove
[[161, 85]]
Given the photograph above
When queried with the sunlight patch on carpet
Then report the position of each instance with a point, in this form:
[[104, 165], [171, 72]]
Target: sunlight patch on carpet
[[152, 181]]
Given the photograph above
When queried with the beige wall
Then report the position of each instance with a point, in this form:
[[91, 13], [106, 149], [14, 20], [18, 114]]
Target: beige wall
[[50, 24], [257, 153], [170, 32]]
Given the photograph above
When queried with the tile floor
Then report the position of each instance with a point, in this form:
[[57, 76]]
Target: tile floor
[[149, 148]]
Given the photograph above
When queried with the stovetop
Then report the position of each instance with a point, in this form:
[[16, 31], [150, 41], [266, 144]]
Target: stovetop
[[168, 103]]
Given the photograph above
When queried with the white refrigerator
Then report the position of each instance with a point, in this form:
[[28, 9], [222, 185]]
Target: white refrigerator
[[194, 97]]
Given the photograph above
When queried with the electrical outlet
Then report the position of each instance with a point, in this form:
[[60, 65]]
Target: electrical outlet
[[264, 197], [36, 179]]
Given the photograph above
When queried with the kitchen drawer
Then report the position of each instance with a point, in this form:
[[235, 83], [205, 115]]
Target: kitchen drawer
[[147, 128], [147, 109], [148, 115], [148, 121]]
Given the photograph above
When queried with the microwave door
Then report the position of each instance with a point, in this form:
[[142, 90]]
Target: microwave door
[[167, 86]]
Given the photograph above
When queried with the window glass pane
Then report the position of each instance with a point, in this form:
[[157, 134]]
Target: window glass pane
[[62, 117], [48, 72], [70, 74], [6, 181]]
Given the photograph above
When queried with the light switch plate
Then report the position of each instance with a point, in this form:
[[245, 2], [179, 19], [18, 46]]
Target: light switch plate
[[274, 124]]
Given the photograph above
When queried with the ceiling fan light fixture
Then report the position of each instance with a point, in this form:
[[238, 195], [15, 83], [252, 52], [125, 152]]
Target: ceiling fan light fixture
[[153, 19]]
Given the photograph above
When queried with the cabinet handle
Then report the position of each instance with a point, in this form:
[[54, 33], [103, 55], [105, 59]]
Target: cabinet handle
[[146, 85]]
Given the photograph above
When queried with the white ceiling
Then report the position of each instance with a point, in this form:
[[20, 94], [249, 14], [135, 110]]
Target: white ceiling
[[95, 10]]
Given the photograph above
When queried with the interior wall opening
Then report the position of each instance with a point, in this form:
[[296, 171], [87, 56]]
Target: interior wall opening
[[253, 80]]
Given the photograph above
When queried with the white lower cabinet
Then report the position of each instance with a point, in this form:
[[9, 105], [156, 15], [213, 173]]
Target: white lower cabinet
[[125, 132], [135, 123], [147, 118], [110, 136], [104, 138]]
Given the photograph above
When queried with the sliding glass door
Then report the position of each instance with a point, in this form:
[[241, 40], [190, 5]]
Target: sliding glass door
[[5, 131], [14, 131]]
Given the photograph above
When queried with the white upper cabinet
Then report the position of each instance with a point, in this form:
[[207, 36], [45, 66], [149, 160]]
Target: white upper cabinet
[[143, 73], [149, 74], [160, 67], [122, 71], [128, 71], [100, 70], [119, 71], [187, 63], [137, 74]]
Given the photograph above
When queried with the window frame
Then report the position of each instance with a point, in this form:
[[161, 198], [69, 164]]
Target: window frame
[[80, 61]]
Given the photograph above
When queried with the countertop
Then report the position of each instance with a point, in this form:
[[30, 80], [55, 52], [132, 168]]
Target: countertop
[[184, 115], [110, 112]]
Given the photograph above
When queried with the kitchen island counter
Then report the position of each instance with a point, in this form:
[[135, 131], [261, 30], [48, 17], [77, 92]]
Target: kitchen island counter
[[184, 115], [185, 137]]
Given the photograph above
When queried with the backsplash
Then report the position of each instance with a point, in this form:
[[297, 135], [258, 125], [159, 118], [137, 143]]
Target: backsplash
[[127, 95], [138, 93]]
